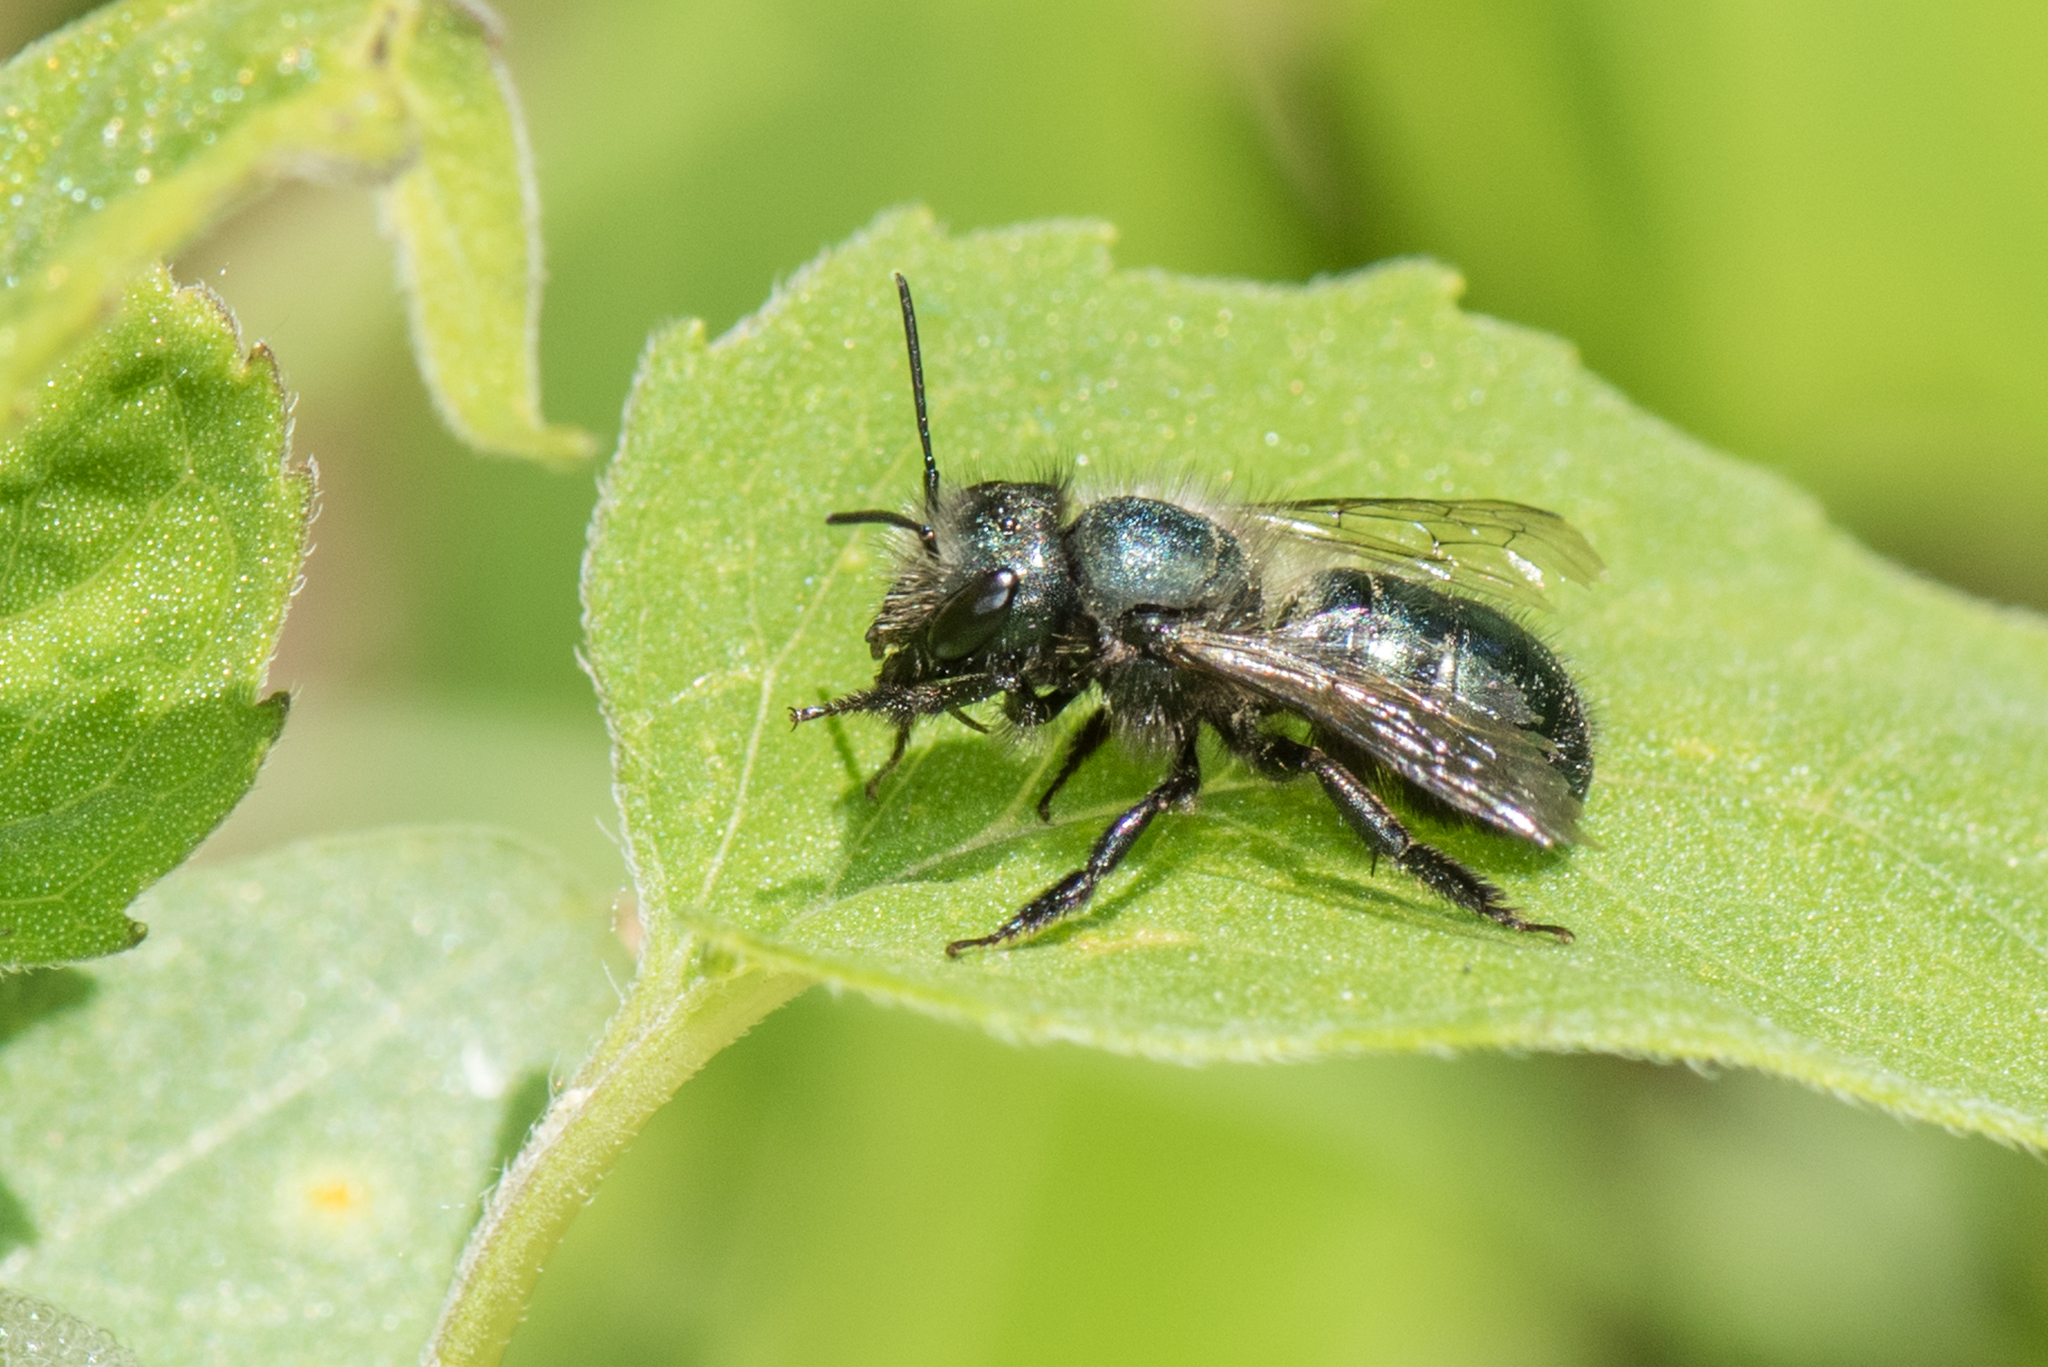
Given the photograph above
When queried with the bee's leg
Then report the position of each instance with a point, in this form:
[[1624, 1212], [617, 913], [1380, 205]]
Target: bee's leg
[[1086, 742], [1382, 831], [902, 704], [1028, 707], [1071, 892], [873, 786]]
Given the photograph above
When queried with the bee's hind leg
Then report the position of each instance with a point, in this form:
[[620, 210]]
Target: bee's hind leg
[[1382, 831], [1182, 782]]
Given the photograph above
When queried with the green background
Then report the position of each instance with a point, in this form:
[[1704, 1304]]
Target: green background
[[1812, 234]]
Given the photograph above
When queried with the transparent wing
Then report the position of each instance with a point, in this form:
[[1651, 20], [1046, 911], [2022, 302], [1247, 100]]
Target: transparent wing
[[1487, 546], [1455, 750]]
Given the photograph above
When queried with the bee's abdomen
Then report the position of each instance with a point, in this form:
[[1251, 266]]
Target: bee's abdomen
[[1430, 640]]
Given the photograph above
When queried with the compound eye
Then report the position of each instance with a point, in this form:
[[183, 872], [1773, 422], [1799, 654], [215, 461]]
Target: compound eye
[[970, 619]]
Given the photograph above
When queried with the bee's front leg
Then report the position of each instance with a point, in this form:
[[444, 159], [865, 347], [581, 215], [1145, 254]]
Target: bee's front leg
[[903, 704]]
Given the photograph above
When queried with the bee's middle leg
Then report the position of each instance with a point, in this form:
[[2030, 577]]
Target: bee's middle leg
[[1073, 891], [1085, 743], [873, 787]]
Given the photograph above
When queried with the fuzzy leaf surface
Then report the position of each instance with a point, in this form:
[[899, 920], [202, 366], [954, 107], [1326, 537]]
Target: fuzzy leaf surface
[[280, 1167], [151, 530], [1820, 832], [34, 1333], [128, 133]]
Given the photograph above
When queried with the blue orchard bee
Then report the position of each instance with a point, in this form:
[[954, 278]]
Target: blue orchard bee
[[1352, 614]]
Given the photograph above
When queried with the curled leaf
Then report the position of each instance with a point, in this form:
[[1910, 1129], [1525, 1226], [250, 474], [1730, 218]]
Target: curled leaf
[[126, 134]]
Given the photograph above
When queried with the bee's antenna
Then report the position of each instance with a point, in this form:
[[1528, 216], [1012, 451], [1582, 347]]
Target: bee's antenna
[[924, 426]]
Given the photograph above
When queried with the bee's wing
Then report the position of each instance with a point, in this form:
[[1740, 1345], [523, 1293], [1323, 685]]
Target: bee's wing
[[1450, 747], [1488, 546]]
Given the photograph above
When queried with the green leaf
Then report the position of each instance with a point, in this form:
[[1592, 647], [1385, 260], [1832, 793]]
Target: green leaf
[[125, 135], [151, 530], [1820, 836], [34, 1333], [466, 217], [100, 798], [261, 1137]]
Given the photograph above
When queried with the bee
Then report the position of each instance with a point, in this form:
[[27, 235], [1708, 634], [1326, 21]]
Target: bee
[[1367, 619]]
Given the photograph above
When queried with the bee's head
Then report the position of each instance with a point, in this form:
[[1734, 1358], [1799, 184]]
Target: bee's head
[[986, 592], [986, 586]]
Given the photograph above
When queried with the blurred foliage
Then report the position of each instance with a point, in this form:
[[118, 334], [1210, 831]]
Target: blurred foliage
[[261, 1136], [34, 1333], [1810, 234], [853, 1186]]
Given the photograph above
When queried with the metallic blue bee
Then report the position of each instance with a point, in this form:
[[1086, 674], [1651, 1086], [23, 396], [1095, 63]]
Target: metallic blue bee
[[1347, 612]]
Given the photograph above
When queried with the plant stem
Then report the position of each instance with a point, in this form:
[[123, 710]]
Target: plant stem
[[685, 1005]]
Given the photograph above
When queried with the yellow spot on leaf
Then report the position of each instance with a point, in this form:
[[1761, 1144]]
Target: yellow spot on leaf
[[337, 1197]]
